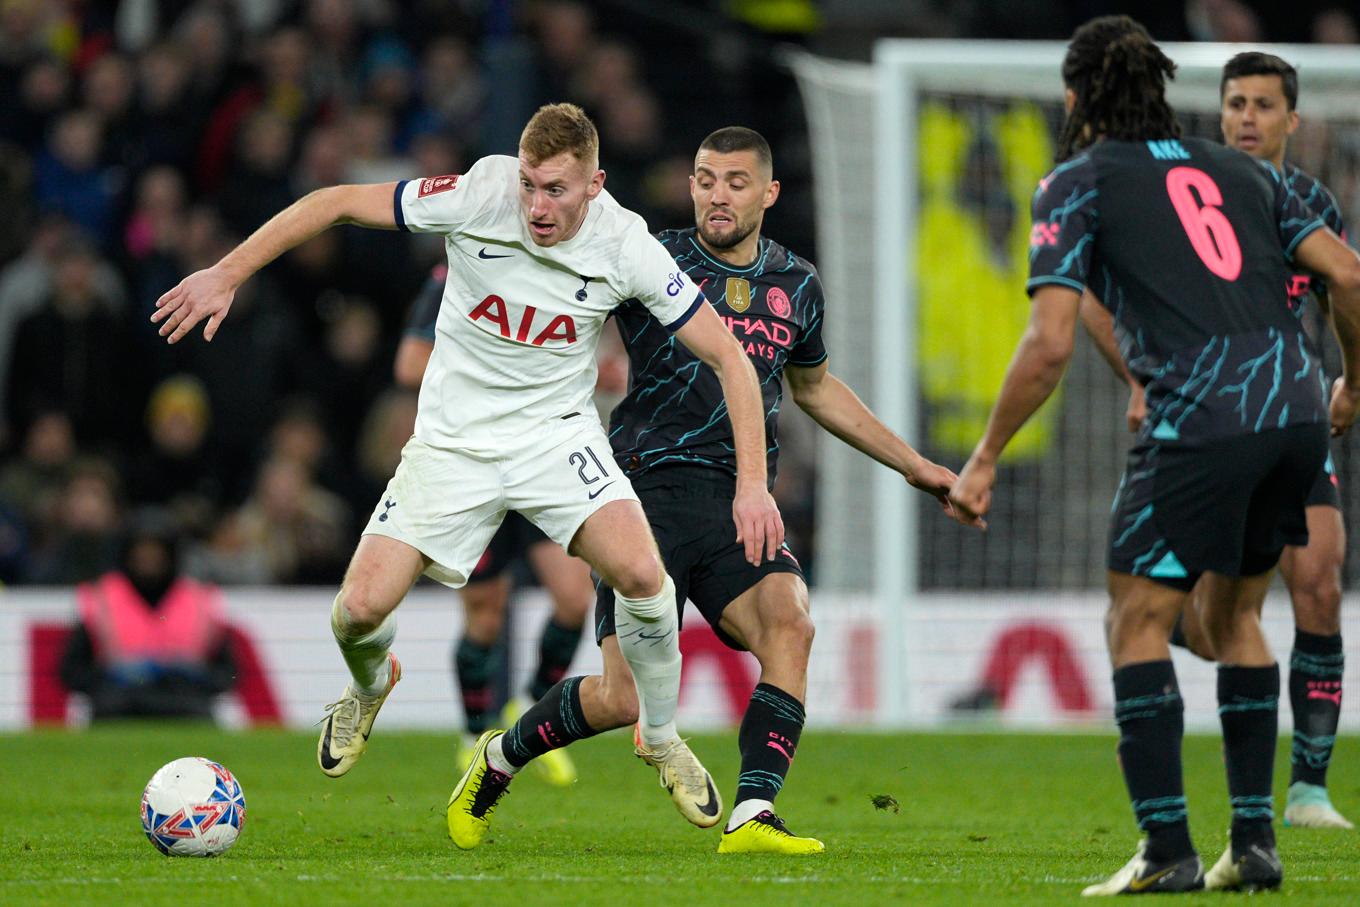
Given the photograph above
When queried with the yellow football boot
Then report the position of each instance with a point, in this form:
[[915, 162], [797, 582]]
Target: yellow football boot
[[473, 801], [766, 833]]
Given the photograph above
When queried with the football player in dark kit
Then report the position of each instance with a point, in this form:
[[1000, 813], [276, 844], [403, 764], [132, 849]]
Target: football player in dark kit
[[1259, 93], [671, 435], [1186, 243]]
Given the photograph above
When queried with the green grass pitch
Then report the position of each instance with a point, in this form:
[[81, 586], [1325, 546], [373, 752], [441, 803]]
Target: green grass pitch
[[981, 818]]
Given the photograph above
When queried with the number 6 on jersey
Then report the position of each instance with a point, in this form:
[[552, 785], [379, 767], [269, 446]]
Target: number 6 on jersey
[[1208, 228]]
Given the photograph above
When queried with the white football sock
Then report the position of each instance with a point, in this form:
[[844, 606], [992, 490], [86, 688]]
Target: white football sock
[[495, 757], [365, 653], [745, 811], [649, 638]]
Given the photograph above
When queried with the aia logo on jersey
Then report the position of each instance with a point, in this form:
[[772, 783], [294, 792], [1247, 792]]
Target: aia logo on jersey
[[435, 184], [778, 301], [495, 311]]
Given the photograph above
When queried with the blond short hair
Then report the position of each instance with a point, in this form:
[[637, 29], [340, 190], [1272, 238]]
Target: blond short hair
[[556, 129]]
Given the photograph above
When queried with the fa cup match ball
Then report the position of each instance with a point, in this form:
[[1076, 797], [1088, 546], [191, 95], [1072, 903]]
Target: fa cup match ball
[[193, 807]]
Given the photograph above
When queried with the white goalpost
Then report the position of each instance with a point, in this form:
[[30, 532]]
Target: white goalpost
[[924, 162]]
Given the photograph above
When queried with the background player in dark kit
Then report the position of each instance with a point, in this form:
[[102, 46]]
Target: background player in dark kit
[[480, 655], [1185, 242], [671, 436]]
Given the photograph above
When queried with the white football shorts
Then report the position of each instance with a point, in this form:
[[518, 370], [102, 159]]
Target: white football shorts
[[448, 504]]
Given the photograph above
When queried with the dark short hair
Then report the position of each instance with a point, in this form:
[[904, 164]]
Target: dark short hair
[[1255, 63], [738, 138]]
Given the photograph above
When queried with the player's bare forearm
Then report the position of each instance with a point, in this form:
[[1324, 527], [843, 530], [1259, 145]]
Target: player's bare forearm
[[708, 338], [1345, 320], [1326, 254], [760, 529], [1033, 374], [741, 392], [206, 295], [834, 406], [315, 212], [1099, 324], [1035, 369]]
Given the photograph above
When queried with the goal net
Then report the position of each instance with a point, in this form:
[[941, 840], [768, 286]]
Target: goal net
[[925, 163]]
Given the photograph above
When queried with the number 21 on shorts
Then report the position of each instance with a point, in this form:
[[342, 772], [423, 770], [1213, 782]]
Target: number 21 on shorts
[[590, 470], [1210, 233]]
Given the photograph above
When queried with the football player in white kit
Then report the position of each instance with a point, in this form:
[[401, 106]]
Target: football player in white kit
[[538, 258]]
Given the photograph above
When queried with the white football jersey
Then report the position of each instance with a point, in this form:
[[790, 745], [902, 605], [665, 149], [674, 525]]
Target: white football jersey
[[518, 325]]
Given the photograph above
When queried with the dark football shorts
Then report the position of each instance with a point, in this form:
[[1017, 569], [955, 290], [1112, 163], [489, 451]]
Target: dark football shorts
[[690, 511], [1229, 506], [515, 537], [1326, 491]]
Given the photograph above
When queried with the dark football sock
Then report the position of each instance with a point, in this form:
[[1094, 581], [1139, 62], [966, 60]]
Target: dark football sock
[[768, 740], [556, 649], [554, 721], [476, 666], [1150, 714], [1248, 708], [1315, 669]]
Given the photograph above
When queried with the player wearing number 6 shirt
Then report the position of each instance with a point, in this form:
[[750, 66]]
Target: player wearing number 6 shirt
[[1186, 243], [1259, 94], [538, 258]]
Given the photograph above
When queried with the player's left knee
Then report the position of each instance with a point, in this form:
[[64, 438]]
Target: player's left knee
[[801, 630], [619, 706], [1317, 606], [639, 577], [787, 631]]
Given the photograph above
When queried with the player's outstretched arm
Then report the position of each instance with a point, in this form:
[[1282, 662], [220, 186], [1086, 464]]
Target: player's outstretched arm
[[759, 526], [838, 409], [1035, 370], [209, 293], [1324, 253], [1099, 324]]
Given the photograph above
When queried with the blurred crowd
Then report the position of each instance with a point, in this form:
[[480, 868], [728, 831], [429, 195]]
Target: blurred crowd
[[141, 140], [1238, 21]]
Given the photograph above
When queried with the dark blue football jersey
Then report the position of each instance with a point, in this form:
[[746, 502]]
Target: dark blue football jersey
[[1316, 198], [1187, 243], [674, 411], [424, 312]]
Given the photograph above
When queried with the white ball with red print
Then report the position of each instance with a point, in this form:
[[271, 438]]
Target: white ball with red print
[[193, 807]]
